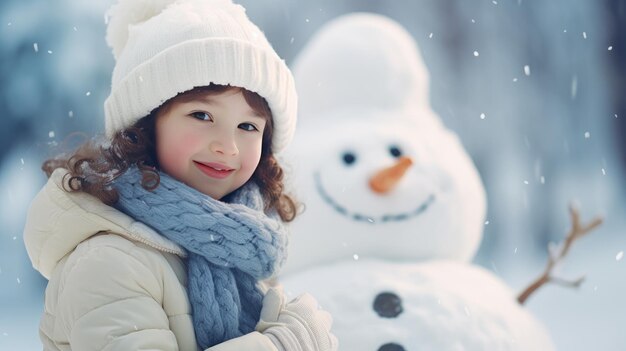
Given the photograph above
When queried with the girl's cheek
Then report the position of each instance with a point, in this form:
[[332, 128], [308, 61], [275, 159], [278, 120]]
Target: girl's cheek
[[177, 151], [253, 157]]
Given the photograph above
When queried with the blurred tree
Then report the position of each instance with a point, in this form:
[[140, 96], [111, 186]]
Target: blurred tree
[[616, 13]]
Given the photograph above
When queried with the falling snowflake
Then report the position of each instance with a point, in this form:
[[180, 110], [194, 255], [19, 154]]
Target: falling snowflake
[[486, 222], [51, 134], [22, 160], [473, 21], [527, 70], [291, 40], [36, 47], [603, 171], [430, 36], [482, 116], [610, 48], [514, 80], [542, 180], [585, 35], [70, 113], [356, 257], [476, 53], [587, 135], [619, 256], [526, 182]]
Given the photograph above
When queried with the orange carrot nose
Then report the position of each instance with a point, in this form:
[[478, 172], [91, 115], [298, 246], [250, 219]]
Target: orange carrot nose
[[385, 179]]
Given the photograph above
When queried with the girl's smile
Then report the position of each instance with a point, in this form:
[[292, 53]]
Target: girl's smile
[[214, 170]]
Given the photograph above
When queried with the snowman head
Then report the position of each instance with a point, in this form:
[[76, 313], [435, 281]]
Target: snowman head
[[378, 173]]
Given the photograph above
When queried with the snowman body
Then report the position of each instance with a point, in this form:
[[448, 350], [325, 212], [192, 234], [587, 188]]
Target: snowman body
[[439, 305]]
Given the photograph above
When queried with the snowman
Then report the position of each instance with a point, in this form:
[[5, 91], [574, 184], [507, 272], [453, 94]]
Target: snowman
[[394, 207]]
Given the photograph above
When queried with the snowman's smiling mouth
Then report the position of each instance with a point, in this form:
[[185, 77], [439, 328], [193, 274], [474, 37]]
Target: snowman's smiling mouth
[[367, 218]]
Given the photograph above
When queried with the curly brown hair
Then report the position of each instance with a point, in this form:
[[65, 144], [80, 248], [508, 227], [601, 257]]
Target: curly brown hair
[[94, 165]]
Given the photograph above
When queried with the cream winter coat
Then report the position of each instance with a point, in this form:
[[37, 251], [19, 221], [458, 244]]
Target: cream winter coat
[[114, 283]]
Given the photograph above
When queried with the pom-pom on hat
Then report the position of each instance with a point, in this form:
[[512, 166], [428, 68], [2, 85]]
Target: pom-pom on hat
[[166, 47]]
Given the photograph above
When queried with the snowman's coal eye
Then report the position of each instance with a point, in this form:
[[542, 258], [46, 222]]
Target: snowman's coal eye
[[348, 158], [395, 151]]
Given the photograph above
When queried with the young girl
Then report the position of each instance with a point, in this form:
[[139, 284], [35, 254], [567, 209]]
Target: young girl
[[159, 237]]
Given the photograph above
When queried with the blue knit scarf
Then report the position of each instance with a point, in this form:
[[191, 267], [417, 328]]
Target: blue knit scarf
[[230, 245]]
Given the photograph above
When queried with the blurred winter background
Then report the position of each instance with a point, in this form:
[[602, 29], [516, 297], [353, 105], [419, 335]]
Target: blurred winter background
[[533, 88]]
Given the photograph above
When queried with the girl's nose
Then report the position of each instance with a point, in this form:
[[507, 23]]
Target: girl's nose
[[385, 179], [224, 146]]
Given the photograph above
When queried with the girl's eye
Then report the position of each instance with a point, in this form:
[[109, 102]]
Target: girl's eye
[[395, 151], [348, 158], [248, 127], [203, 116]]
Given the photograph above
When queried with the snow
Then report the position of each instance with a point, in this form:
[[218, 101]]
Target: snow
[[540, 106]]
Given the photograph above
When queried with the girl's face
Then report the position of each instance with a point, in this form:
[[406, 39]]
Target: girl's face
[[210, 141]]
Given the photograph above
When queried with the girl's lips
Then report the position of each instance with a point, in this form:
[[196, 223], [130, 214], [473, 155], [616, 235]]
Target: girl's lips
[[214, 170]]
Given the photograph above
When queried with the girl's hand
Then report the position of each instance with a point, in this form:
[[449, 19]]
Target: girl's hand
[[296, 326]]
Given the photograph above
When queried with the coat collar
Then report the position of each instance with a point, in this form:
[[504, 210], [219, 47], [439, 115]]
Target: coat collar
[[58, 221]]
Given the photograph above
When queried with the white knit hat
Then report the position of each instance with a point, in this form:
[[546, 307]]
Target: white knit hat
[[165, 47]]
